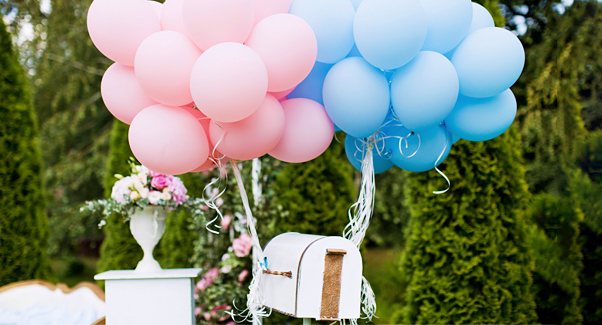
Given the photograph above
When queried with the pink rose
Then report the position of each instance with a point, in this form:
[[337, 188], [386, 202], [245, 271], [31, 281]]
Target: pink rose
[[242, 245], [212, 274], [226, 220], [207, 316], [203, 284], [159, 182], [230, 323], [243, 275], [177, 189], [197, 310], [154, 174]]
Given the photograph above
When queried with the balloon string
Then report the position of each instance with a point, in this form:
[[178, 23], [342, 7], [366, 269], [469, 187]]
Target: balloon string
[[211, 202], [447, 136], [255, 308]]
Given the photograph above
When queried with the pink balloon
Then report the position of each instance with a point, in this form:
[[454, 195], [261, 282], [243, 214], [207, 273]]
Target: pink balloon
[[229, 82], [307, 134], [265, 8], [252, 137], [168, 140], [163, 65], [281, 94], [117, 27], [122, 93], [288, 47], [200, 117], [210, 22], [210, 164], [157, 6], [172, 18], [283, 99]]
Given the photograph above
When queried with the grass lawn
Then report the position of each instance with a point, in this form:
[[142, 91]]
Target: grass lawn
[[381, 270]]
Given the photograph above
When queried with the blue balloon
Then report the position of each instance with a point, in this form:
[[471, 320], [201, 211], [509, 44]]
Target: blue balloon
[[482, 119], [336, 128], [355, 154], [488, 61], [356, 96], [455, 138], [354, 52], [448, 23], [481, 18], [389, 33], [433, 142], [356, 3], [424, 91], [311, 86], [332, 22]]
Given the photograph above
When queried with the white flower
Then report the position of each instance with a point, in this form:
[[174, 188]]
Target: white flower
[[144, 193], [121, 188], [226, 268], [154, 197], [138, 185], [134, 195], [141, 178], [165, 196]]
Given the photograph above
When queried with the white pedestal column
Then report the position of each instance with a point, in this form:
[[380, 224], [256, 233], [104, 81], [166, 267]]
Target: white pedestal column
[[134, 298]]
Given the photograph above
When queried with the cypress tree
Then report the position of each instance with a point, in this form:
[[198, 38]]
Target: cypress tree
[[466, 258], [23, 221], [316, 195], [119, 250]]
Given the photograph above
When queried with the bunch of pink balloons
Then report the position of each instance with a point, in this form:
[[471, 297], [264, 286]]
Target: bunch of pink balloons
[[234, 60]]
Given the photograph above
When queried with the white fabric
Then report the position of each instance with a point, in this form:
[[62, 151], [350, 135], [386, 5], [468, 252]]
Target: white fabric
[[36, 304], [53, 315]]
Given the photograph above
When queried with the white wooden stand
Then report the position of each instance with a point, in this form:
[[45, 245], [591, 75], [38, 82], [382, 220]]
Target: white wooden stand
[[134, 298]]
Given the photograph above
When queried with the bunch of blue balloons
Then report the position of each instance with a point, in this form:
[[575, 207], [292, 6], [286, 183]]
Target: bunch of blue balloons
[[410, 76]]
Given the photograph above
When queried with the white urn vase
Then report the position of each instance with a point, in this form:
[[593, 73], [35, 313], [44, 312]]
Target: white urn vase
[[147, 227]]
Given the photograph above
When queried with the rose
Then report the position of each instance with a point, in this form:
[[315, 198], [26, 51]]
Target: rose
[[165, 196], [177, 189], [243, 275], [160, 181], [197, 311], [226, 268], [226, 220], [154, 197], [134, 195], [203, 284], [212, 274], [242, 245], [144, 193], [121, 188]]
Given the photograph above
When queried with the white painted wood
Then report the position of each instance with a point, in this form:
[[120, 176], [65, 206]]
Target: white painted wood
[[284, 253], [134, 298], [304, 256]]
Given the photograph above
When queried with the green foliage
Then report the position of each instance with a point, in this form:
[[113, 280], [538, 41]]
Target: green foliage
[[23, 222], [591, 275], [176, 249], [317, 194], [466, 258], [390, 214], [119, 250], [557, 258]]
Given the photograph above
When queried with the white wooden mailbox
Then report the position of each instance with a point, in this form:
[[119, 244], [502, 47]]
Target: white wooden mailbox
[[313, 276]]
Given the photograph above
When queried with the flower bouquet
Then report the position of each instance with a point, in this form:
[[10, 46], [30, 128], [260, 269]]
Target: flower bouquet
[[144, 198]]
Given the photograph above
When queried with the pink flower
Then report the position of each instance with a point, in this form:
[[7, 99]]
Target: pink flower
[[230, 323], [177, 189], [212, 274], [242, 245], [197, 310], [204, 208], [203, 284], [154, 174], [159, 182], [121, 188], [242, 276], [226, 220], [207, 316]]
